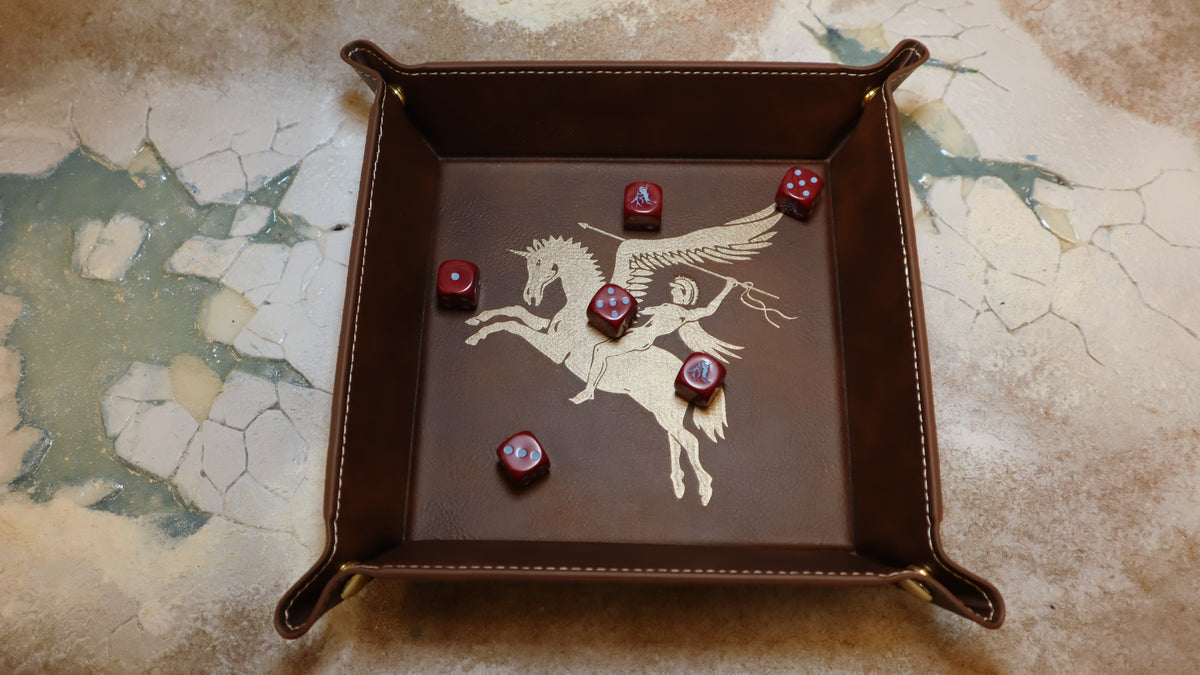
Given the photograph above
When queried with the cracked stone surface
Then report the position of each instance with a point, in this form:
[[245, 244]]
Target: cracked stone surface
[[258, 265], [1172, 202], [223, 454], [252, 343], [270, 323], [215, 178], [155, 439], [337, 244], [105, 251], [117, 412], [1063, 331], [1157, 267], [143, 382], [205, 256], [15, 446], [276, 452], [307, 409], [1090, 208], [301, 267], [224, 315], [190, 480], [248, 501], [17, 441], [249, 219], [1016, 300], [1007, 234], [323, 193]]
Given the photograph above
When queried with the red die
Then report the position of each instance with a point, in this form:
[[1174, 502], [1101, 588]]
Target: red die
[[523, 458], [699, 378], [643, 206], [458, 285], [612, 310], [798, 192]]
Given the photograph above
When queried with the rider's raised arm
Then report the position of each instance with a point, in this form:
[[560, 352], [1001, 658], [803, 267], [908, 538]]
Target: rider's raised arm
[[711, 308]]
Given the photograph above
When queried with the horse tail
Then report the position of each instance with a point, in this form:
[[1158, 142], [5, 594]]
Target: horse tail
[[711, 420]]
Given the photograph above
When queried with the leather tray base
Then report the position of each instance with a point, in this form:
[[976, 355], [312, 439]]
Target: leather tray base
[[780, 474]]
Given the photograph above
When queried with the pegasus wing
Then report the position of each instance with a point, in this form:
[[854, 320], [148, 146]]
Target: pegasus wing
[[699, 340], [637, 259]]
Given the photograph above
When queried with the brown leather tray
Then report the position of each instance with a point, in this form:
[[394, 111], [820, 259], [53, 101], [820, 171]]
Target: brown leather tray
[[821, 452]]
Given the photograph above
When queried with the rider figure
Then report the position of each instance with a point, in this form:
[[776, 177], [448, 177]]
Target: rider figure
[[664, 320], [642, 198]]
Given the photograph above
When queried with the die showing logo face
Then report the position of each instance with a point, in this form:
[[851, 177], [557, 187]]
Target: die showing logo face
[[699, 378], [643, 206], [458, 285], [612, 310], [798, 192], [523, 458]]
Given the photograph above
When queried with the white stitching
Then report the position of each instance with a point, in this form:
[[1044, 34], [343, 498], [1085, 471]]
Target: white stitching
[[633, 72], [387, 64], [628, 570], [362, 268], [912, 328]]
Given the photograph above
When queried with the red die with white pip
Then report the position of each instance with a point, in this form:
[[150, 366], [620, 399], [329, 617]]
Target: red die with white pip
[[798, 192], [523, 458], [458, 285], [612, 310], [699, 378], [643, 206]]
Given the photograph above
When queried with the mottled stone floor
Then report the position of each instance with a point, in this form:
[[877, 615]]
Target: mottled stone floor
[[177, 190]]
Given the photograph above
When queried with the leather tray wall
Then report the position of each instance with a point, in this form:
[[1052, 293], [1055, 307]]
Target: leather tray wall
[[825, 471]]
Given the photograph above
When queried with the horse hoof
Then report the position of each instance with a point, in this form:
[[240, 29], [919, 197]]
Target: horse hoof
[[473, 321], [705, 495]]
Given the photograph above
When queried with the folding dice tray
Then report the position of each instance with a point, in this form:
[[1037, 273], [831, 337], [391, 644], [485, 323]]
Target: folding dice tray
[[824, 469]]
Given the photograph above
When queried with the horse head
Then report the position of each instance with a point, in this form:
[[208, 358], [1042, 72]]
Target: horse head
[[541, 270], [544, 262]]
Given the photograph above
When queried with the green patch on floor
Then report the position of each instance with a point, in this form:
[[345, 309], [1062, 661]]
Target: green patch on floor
[[77, 335]]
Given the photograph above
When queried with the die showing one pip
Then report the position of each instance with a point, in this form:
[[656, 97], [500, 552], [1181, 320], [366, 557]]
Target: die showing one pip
[[523, 458], [699, 378], [612, 310], [458, 285], [798, 192], [643, 206]]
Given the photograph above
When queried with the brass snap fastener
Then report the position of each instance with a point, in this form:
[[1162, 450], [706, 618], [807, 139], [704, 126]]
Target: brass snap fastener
[[915, 587], [355, 583]]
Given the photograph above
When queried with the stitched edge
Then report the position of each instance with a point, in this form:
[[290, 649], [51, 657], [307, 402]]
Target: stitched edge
[[337, 507], [627, 570], [912, 328], [383, 61]]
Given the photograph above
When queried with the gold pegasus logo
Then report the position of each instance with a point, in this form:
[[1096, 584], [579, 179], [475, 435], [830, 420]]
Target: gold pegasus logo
[[634, 365]]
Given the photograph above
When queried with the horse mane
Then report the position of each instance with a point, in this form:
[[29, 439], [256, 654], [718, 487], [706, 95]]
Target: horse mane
[[567, 248]]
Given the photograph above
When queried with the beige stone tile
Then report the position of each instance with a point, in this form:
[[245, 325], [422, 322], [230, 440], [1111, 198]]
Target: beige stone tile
[[224, 454], [154, 440], [243, 398], [205, 256]]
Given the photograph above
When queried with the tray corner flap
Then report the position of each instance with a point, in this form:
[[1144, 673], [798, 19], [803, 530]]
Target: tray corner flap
[[369, 61], [955, 589]]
